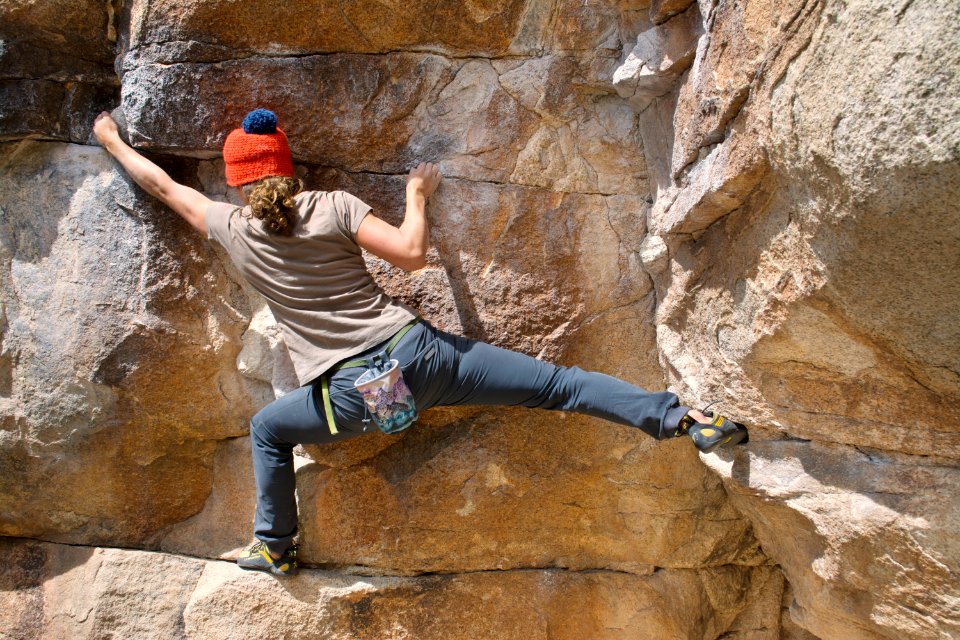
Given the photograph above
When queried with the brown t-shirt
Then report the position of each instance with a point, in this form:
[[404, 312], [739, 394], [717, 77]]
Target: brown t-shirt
[[315, 280]]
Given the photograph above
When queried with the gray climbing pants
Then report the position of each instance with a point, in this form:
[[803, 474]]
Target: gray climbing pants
[[440, 369]]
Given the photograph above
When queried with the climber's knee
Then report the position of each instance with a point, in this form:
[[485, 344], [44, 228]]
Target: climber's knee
[[260, 432]]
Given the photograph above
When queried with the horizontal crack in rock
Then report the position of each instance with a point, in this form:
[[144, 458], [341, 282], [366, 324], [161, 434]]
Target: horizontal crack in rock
[[210, 156], [379, 572], [143, 49]]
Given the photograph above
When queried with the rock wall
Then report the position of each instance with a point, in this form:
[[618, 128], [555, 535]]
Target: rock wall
[[748, 202], [808, 210]]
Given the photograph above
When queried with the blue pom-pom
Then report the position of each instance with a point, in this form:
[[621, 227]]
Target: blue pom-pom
[[260, 121]]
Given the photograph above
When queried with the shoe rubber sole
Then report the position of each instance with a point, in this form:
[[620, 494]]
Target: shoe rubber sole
[[284, 570]]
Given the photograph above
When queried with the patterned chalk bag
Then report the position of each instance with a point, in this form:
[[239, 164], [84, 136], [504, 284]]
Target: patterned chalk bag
[[388, 398]]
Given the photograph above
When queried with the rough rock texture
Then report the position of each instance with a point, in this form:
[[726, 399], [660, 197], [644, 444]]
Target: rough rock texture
[[86, 592], [482, 27], [56, 70], [112, 316], [877, 548], [750, 202], [806, 190], [468, 496]]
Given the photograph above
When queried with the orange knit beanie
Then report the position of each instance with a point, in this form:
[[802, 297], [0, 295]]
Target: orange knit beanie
[[257, 150]]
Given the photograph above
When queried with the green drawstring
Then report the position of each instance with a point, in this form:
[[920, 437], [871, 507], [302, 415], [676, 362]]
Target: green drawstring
[[359, 362]]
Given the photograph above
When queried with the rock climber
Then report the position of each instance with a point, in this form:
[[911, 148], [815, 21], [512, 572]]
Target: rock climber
[[302, 251]]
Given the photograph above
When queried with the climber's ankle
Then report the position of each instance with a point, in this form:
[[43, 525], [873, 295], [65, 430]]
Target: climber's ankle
[[672, 425], [680, 418]]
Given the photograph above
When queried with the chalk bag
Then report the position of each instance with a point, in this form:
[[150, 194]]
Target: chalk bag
[[387, 396]]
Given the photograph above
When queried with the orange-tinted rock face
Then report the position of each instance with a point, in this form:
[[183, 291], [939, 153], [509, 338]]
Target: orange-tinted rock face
[[480, 28], [90, 592], [112, 328], [746, 202]]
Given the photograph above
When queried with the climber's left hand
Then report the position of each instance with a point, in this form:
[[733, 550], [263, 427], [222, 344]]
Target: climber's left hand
[[105, 129]]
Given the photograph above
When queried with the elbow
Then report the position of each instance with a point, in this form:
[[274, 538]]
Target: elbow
[[415, 258], [414, 262]]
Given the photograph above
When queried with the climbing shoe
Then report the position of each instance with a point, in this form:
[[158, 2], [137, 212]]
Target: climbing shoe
[[256, 556], [719, 432]]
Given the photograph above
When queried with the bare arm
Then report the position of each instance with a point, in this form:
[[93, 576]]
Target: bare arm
[[189, 204], [404, 246]]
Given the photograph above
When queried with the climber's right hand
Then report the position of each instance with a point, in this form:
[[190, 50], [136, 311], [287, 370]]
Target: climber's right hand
[[423, 179]]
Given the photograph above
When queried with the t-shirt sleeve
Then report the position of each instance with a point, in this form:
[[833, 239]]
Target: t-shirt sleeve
[[217, 219], [350, 212]]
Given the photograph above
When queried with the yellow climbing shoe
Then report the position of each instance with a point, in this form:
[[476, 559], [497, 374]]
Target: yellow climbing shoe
[[257, 557], [720, 431]]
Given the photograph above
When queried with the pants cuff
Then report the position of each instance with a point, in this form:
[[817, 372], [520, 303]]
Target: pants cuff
[[671, 421], [278, 546]]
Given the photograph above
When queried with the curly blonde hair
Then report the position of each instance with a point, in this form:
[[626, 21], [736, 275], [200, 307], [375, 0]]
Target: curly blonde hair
[[271, 201]]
